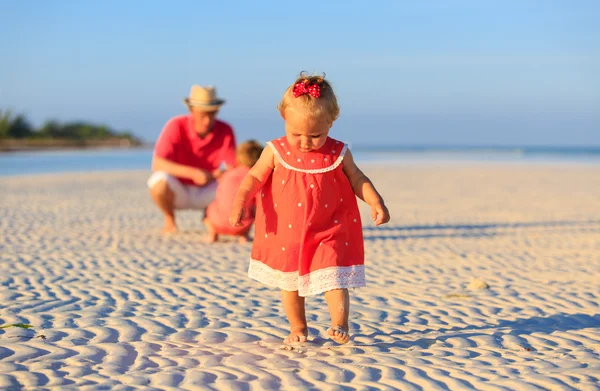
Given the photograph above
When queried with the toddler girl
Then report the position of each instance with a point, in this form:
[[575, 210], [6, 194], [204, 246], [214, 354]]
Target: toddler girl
[[308, 234], [217, 213]]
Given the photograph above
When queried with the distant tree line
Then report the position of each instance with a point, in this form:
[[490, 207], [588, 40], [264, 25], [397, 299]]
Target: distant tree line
[[17, 127]]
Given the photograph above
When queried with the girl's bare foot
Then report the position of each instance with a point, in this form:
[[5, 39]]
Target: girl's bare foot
[[293, 305], [339, 334], [297, 334], [243, 239], [169, 228], [338, 301], [211, 235]]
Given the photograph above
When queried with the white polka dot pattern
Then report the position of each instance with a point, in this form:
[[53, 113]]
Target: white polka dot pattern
[[308, 196]]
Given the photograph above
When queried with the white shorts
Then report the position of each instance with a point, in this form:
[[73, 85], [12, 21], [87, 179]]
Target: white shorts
[[186, 196]]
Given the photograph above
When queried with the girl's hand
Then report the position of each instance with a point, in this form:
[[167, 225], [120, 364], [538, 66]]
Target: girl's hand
[[218, 173], [237, 215], [380, 214]]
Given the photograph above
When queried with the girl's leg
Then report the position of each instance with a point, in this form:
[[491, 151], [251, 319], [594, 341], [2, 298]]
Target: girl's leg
[[244, 237], [211, 235], [338, 301], [293, 305]]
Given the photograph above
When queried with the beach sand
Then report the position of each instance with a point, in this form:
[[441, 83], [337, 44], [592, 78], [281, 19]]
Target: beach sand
[[115, 305]]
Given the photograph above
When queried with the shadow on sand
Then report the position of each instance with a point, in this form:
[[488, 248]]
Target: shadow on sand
[[400, 232], [516, 328]]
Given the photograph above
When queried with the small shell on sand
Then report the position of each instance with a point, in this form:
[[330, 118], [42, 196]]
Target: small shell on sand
[[476, 283], [292, 348]]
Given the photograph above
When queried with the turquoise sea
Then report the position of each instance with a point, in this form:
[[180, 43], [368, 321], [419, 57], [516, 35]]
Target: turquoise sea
[[22, 163]]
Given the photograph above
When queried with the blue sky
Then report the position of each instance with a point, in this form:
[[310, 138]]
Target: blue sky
[[465, 72]]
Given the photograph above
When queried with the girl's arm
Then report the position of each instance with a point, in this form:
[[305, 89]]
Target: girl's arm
[[253, 181], [364, 189]]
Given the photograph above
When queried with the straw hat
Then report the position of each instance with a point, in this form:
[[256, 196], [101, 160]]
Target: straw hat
[[205, 97]]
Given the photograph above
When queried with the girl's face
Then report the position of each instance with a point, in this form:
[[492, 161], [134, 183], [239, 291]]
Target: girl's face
[[303, 132]]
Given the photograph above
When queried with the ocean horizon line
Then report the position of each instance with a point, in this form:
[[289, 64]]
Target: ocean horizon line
[[478, 148], [506, 148]]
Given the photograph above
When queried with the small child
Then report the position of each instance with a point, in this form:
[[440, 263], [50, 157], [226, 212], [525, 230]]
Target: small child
[[217, 213], [308, 235]]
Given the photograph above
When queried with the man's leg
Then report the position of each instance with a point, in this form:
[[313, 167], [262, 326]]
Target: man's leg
[[164, 198]]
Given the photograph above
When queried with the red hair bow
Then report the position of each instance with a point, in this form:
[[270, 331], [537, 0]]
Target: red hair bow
[[302, 88]]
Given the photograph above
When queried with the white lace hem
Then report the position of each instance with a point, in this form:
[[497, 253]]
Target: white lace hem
[[335, 165], [319, 281]]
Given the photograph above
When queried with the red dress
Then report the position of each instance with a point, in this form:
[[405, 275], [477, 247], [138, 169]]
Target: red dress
[[219, 210], [308, 234]]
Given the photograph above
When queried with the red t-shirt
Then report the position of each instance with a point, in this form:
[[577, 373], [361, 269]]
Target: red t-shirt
[[179, 143]]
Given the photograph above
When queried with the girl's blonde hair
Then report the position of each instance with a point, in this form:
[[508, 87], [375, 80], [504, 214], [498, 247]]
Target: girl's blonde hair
[[324, 107], [248, 152]]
